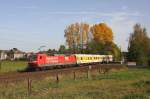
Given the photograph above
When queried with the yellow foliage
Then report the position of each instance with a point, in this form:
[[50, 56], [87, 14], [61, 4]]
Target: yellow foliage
[[102, 33]]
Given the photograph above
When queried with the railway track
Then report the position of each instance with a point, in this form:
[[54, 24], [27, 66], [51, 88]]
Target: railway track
[[16, 76]]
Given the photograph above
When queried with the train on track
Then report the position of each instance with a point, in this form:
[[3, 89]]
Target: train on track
[[42, 61]]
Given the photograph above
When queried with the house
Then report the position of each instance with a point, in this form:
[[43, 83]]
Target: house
[[16, 54], [3, 54], [12, 54]]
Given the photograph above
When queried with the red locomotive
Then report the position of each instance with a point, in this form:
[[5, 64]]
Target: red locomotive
[[39, 61]]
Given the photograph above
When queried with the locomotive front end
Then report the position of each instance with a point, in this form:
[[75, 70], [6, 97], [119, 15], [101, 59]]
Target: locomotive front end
[[32, 62]]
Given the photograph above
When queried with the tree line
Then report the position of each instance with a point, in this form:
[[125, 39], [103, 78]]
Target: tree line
[[85, 39], [82, 38]]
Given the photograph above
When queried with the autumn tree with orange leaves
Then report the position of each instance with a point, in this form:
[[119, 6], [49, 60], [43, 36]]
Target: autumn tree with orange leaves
[[102, 33], [103, 38]]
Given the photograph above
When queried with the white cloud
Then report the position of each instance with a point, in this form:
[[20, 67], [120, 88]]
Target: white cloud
[[28, 7]]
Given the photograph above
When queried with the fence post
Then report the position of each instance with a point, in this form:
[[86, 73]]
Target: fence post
[[106, 71], [29, 86], [88, 72], [99, 70], [0, 64], [74, 75], [57, 78]]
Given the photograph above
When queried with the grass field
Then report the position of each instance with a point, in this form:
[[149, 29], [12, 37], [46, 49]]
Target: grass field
[[126, 84], [9, 66]]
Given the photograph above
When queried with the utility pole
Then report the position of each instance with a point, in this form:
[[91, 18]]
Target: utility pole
[[81, 31], [120, 55], [0, 64]]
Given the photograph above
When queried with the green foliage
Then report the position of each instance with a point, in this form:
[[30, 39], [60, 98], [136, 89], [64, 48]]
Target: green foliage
[[95, 47], [62, 49], [135, 96], [104, 49], [51, 52], [139, 46]]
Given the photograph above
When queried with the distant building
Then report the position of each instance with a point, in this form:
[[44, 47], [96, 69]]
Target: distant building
[[18, 55], [12, 54], [15, 54], [3, 54], [131, 63]]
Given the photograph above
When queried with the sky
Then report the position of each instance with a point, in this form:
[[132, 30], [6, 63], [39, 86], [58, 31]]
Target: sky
[[29, 24]]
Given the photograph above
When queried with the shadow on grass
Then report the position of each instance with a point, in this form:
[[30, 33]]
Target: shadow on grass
[[142, 83], [136, 96]]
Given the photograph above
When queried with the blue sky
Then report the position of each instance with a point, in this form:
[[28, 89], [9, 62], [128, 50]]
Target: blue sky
[[29, 24]]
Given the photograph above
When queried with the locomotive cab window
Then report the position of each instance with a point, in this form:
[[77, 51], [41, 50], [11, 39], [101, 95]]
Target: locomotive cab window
[[32, 57], [40, 57]]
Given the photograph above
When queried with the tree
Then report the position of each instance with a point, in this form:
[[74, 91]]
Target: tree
[[77, 35], [95, 47], [102, 33], [62, 49], [51, 52], [98, 39], [139, 46], [103, 41]]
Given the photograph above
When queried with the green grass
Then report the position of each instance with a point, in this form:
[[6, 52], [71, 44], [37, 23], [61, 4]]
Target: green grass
[[127, 84], [9, 66]]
